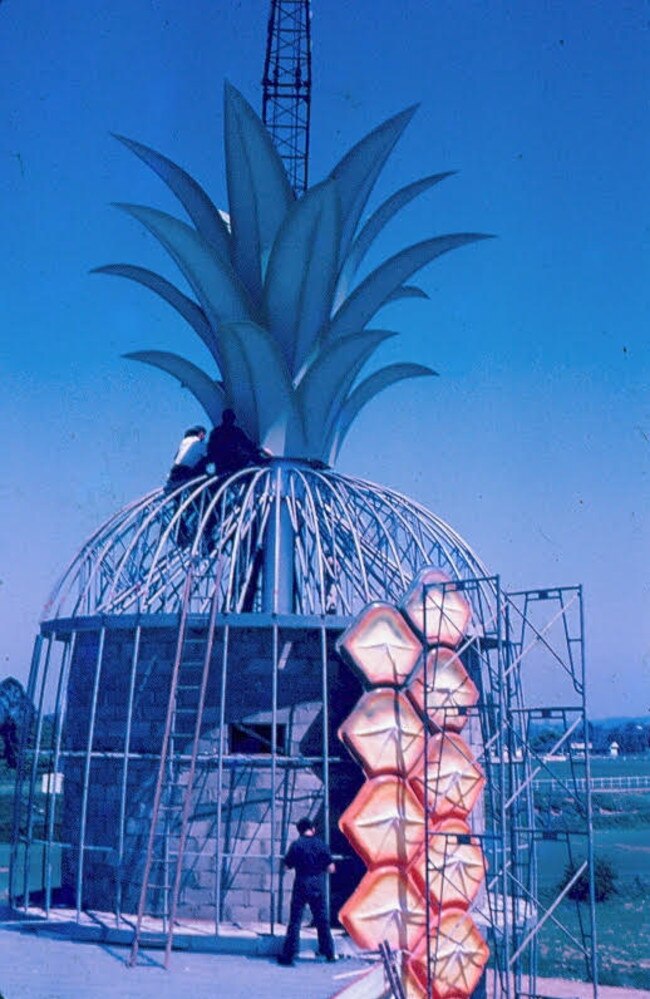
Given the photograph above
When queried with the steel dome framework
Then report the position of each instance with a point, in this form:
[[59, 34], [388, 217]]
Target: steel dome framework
[[349, 542]]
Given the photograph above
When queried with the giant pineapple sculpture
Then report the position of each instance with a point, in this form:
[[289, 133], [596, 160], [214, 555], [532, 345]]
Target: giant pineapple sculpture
[[275, 296]]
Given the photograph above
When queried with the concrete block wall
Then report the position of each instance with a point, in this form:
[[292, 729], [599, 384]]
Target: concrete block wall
[[240, 830]]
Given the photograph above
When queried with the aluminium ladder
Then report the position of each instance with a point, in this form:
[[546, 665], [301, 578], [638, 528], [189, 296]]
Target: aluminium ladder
[[175, 782]]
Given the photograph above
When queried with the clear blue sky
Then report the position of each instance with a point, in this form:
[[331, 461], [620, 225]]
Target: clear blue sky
[[534, 442]]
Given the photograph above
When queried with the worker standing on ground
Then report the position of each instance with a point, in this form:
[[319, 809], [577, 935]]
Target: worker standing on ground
[[311, 859], [229, 448]]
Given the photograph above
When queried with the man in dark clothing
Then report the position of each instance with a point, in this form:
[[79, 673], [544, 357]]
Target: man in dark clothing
[[229, 448], [311, 860]]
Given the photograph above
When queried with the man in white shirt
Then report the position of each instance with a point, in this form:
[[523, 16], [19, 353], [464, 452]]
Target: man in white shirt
[[189, 460]]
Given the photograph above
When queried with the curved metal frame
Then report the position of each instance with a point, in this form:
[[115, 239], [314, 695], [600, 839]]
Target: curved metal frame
[[350, 542]]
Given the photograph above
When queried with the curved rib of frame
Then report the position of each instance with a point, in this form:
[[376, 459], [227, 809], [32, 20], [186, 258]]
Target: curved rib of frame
[[353, 542]]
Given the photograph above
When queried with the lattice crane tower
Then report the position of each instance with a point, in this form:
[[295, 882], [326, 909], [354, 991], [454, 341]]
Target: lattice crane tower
[[286, 102]]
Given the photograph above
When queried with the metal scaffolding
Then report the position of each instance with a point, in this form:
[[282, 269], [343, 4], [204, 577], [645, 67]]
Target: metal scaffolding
[[528, 662]]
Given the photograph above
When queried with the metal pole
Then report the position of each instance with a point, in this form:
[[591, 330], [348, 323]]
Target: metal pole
[[278, 581], [59, 714], [590, 828], [125, 773], [513, 681], [34, 770], [274, 760], [86, 780], [325, 749], [20, 773], [277, 601], [222, 740], [503, 620]]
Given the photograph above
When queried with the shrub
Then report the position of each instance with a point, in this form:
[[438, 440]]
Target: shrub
[[604, 881]]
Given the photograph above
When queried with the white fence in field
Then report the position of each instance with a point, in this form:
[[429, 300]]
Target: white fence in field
[[596, 783]]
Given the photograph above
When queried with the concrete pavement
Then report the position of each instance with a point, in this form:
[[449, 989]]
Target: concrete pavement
[[40, 966], [41, 962]]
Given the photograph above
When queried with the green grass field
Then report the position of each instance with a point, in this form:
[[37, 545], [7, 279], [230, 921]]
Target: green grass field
[[627, 849], [622, 836], [623, 932]]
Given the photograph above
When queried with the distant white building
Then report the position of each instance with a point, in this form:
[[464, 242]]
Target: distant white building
[[614, 749], [505, 757]]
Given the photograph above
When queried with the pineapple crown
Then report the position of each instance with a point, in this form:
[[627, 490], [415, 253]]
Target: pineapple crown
[[274, 300]]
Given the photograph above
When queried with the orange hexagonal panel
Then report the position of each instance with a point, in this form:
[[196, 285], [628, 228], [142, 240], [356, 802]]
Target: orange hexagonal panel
[[384, 732], [456, 865], [458, 955], [436, 609], [413, 987], [449, 690], [381, 646], [385, 822], [385, 905], [454, 778]]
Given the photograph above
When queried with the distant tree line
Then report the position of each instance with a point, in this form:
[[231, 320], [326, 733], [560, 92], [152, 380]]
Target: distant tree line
[[632, 738]]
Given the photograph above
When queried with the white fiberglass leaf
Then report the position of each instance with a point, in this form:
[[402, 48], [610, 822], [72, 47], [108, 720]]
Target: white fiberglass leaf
[[259, 192], [327, 382], [209, 393], [185, 306], [366, 391], [301, 274], [357, 310], [213, 281], [195, 201], [357, 172], [257, 383], [378, 221]]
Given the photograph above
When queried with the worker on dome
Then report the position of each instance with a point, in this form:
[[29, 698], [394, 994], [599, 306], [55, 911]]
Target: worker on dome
[[190, 459], [229, 448]]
